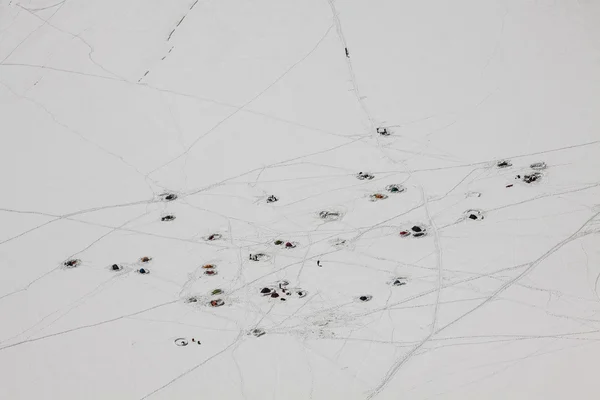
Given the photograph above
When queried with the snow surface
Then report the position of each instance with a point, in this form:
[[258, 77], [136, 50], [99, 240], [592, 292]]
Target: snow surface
[[107, 104]]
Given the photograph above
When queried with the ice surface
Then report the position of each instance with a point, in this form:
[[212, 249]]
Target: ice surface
[[239, 124]]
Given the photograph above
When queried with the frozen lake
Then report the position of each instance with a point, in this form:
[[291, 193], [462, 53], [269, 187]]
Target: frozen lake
[[300, 200]]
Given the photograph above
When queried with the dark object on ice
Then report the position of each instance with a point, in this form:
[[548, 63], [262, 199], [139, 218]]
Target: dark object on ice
[[538, 166], [301, 293], [278, 242], [145, 259], [72, 263], [168, 196], [347, 52], [257, 257], [365, 297], [191, 300], [208, 266], [417, 228], [167, 218], [533, 177], [475, 215], [283, 284], [216, 292], [210, 272], [404, 233], [266, 291], [395, 188], [383, 131], [143, 271], [116, 267], [364, 175], [330, 215], [378, 196], [398, 282], [274, 295], [258, 332], [319, 263], [181, 342], [214, 236], [290, 245], [216, 303], [509, 186], [196, 341], [272, 199], [282, 299], [504, 164], [419, 234]]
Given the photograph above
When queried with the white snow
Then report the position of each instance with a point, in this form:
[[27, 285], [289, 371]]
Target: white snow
[[106, 106]]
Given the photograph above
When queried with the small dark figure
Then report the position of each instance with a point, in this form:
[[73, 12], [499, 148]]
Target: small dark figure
[[347, 52], [319, 263], [290, 245], [145, 259], [301, 293], [419, 234], [115, 267], [274, 295], [365, 298], [210, 272], [364, 175], [256, 257], [278, 242], [181, 342], [216, 292], [71, 263], [214, 236], [538, 165], [473, 216], [143, 271], [217, 303], [258, 332], [509, 186], [398, 282], [169, 196], [395, 188], [532, 177], [383, 131], [272, 199], [167, 218], [504, 164], [265, 291]]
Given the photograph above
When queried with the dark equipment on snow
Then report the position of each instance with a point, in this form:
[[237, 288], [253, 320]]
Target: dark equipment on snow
[[504, 164], [116, 267], [364, 175], [538, 166], [272, 199], [72, 263], [214, 236], [347, 52], [365, 297], [168, 196], [383, 131], [143, 271], [417, 228], [145, 259], [216, 303], [167, 218]]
